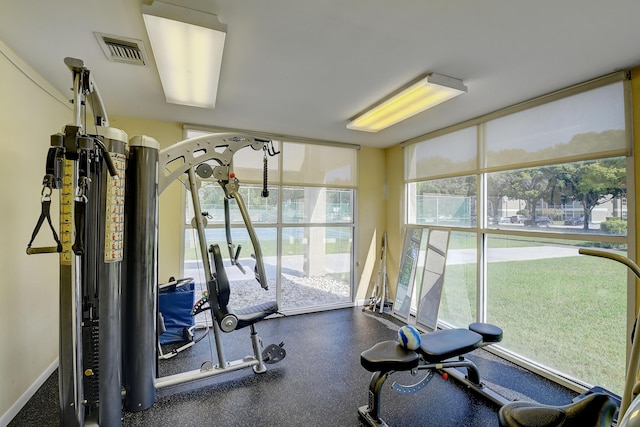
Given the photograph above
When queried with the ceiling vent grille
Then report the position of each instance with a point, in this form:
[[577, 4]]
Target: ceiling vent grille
[[122, 49]]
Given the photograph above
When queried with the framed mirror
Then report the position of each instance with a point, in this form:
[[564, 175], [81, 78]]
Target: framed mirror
[[407, 272], [432, 279]]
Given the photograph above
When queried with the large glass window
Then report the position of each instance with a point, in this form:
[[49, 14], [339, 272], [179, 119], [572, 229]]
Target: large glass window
[[458, 306], [446, 202], [548, 180], [590, 124], [575, 306], [451, 153], [578, 197], [305, 226]]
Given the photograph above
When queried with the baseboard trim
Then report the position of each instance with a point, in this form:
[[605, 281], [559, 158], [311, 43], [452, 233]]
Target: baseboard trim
[[28, 394]]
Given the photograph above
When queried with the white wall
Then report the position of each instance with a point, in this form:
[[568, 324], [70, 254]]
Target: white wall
[[29, 113]]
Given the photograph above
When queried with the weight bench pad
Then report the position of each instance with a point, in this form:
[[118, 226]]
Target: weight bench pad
[[490, 333], [388, 356], [440, 345]]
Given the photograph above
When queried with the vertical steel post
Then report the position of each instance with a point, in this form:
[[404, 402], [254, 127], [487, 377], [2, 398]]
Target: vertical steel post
[[70, 352], [110, 246], [140, 284]]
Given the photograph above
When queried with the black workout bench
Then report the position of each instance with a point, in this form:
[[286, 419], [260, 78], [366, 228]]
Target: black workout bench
[[439, 350]]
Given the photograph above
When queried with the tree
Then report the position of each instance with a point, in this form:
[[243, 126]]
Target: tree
[[497, 185], [530, 185], [592, 183]]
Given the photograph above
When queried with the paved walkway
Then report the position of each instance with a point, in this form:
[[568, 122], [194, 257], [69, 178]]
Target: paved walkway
[[468, 256]]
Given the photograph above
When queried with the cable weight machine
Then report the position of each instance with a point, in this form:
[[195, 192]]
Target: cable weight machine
[[107, 245], [88, 169]]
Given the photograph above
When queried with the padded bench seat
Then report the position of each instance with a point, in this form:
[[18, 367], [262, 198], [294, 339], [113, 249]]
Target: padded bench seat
[[435, 347], [440, 345], [437, 352], [389, 356], [490, 333]]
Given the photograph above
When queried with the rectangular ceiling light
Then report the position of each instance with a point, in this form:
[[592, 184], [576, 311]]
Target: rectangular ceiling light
[[187, 46], [426, 92]]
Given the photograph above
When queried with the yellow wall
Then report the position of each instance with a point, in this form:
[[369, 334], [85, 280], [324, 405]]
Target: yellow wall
[[29, 286], [371, 218], [395, 212]]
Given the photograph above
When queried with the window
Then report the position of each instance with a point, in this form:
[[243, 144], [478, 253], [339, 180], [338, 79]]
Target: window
[[555, 306], [448, 202], [305, 227], [578, 197], [451, 153], [522, 191]]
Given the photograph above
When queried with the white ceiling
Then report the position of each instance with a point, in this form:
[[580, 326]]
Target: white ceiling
[[304, 67]]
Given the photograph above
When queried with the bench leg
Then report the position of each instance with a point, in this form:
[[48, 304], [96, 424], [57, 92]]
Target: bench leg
[[371, 412]]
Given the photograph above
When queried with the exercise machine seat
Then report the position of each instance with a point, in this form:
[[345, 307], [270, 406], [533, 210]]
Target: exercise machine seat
[[388, 356], [219, 292], [440, 345], [249, 315], [594, 410]]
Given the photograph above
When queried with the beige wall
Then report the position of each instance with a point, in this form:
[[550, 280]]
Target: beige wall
[[395, 212], [29, 285], [371, 218]]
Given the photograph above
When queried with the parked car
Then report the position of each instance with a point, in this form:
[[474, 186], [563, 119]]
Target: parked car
[[518, 219], [575, 221], [541, 221]]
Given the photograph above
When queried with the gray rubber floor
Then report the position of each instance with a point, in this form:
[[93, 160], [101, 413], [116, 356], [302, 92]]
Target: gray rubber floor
[[319, 383]]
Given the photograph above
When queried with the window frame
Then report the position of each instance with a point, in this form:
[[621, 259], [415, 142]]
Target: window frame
[[280, 224], [483, 232]]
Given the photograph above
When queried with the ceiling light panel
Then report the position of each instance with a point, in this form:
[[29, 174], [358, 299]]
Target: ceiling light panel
[[425, 93], [187, 46]]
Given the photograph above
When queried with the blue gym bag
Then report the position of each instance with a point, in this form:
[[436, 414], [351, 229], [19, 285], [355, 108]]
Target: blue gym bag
[[175, 304]]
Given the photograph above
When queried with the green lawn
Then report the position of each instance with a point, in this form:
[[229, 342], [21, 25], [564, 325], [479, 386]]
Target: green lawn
[[567, 313]]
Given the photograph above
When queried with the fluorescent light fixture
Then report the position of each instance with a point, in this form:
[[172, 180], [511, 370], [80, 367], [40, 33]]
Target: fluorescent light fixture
[[421, 94], [187, 46]]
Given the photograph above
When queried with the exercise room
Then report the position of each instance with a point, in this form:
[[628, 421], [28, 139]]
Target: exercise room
[[306, 213]]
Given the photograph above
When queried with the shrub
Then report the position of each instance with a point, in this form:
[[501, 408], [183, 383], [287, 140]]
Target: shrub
[[614, 226]]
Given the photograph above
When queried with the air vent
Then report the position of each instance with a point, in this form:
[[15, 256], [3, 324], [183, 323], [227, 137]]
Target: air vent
[[122, 49]]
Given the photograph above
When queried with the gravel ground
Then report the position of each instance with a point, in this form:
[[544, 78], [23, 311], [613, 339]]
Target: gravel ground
[[297, 292]]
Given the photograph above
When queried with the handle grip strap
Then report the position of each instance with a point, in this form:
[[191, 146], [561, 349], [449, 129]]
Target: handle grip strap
[[78, 245], [45, 213]]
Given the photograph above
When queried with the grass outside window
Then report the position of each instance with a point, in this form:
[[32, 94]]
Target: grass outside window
[[564, 312]]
